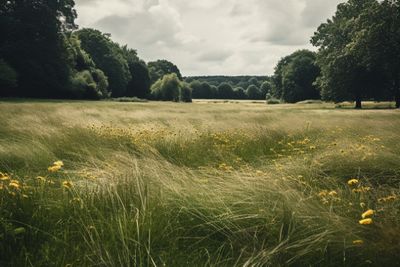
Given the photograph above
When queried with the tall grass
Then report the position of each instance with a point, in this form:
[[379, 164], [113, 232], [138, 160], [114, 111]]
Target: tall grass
[[161, 184]]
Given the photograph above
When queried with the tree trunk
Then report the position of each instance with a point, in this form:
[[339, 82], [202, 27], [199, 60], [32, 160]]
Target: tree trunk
[[398, 99], [358, 103]]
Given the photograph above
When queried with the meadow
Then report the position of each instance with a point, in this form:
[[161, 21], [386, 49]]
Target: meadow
[[204, 184]]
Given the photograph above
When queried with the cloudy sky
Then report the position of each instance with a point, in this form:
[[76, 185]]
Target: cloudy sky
[[209, 37]]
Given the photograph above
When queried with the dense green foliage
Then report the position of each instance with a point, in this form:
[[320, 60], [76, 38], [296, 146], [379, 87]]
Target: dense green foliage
[[295, 76], [171, 88], [359, 52], [162, 67], [42, 56], [203, 87], [109, 57], [225, 91], [87, 82], [32, 43]]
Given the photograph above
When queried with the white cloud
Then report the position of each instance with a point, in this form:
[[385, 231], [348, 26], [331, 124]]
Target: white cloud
[[208, 37]]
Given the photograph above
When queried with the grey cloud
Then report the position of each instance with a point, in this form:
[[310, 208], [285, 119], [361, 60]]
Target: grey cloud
[[214, 55], [210, 36]]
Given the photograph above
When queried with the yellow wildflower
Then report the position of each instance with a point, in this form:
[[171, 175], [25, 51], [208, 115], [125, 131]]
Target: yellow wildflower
[[333, 193], [14, 184], [4, 177], [67, 184], [54, 168], [58, 163], [368, 213], [387, 199], [358, 242], [365, 221], [362, 189], [352, 182]]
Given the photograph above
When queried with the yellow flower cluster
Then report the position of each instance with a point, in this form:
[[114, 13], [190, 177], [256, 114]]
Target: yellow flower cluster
[[362, 189], [358, 242], [387, 199], [57, 165], [67, 184], [352, 182], [4, 176], [365, 220]]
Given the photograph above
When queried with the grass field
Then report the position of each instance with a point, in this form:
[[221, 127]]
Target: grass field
[[202, 184]]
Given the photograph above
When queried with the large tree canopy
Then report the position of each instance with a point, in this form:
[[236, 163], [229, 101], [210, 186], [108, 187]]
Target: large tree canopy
[[358, 47], [32, 43], [109, 57], [160, 68], [295, 76]]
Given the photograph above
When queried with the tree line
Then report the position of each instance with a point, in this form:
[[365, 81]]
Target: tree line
[[43, 54], [229, 87]]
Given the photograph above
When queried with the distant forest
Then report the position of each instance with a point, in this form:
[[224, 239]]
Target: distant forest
[[43, 54]]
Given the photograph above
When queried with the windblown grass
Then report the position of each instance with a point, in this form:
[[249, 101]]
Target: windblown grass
[[205, 184]]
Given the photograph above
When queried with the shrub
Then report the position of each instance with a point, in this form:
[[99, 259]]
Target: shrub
[[166, 88], [185, 93], [84, 86], [273, 101]]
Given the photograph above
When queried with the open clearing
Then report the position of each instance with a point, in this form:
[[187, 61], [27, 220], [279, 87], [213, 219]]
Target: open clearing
[[202, 184]]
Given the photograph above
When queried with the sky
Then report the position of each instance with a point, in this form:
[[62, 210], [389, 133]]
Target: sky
[[210, 37]]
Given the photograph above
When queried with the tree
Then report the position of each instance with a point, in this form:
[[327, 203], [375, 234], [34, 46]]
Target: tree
[[266, 87], [253, 92], [167, 88], [240, 93], [185, 93], [160, 68], [343, 75], [295, 76], [139, 84], [376, 43], [32, 44], [201, 90], [109, 57], [225, 91], [87, 82]]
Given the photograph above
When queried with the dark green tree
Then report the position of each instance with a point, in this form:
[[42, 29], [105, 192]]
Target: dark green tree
[[160, 68], [185, 93], [225, 91], [344, 75], [139, 84], [253, 92], [32, 43], [295, 76], [109, 57], [167, 88], [266, 87], [240, 93], [87, 82]]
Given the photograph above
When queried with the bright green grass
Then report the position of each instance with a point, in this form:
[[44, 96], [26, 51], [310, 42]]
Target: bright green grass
[[202, 184]]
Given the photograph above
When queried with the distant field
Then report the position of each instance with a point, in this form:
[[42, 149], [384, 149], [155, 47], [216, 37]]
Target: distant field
[[201, 184]]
